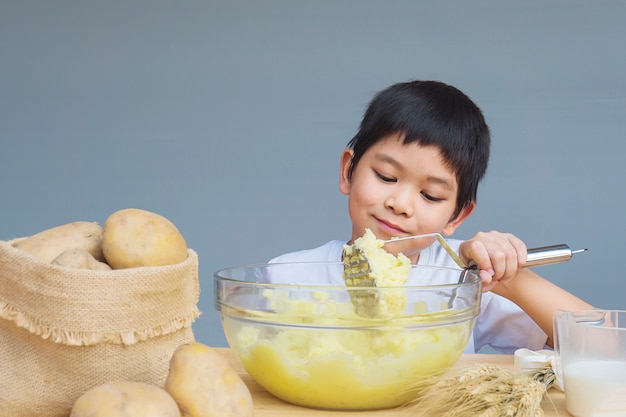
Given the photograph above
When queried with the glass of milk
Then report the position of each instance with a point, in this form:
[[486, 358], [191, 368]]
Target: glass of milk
[[590, 348]]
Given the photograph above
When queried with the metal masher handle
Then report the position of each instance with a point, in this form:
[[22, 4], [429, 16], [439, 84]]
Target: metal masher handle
[[543, 255], [550, 254]]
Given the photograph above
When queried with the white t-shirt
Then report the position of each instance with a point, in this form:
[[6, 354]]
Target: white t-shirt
[[501, 324]]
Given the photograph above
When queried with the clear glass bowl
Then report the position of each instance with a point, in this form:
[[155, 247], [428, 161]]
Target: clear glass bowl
[[327, 346]]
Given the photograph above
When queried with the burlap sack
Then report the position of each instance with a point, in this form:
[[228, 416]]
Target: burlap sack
[[63, 331]]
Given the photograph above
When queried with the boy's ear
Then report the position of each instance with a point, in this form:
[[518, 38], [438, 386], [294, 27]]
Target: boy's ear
[[344, 170], [459, 219]]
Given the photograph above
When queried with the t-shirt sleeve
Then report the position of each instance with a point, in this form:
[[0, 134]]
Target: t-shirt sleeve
[[505, 327]]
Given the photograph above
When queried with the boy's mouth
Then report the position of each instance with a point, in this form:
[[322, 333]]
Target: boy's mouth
[[391, 229]]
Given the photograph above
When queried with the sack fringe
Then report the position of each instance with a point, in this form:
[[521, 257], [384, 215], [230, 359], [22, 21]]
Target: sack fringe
[[83, 338]]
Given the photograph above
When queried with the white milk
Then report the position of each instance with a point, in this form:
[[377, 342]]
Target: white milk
[[595, 388]]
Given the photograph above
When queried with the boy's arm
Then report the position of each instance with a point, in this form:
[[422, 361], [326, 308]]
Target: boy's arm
[[500, 257], [539, 298]]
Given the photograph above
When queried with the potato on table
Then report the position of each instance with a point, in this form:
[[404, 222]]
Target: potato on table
[[205, 385], [125, 399]]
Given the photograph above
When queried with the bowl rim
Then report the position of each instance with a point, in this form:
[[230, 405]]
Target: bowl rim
[[476, 279]]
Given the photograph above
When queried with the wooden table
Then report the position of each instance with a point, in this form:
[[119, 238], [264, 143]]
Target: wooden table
[[265, 404]]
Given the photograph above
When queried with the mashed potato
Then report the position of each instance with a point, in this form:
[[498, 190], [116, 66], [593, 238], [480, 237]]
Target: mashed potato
[[347, 369], [385, 270]]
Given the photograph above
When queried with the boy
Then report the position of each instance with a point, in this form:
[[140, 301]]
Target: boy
[[413, 168]]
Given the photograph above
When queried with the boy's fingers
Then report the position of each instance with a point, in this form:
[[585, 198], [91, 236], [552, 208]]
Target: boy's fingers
[[488, 282], [476, 252], [520, 249]]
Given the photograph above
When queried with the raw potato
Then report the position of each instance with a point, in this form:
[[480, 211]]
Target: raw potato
[[205, 385], [125, 399], [50, 243], [80, 259], [135, 237]]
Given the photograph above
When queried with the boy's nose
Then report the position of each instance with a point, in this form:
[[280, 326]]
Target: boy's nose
[[400, 202]]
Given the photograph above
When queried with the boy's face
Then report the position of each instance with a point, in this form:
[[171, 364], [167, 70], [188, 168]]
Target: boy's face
[[401, 190]]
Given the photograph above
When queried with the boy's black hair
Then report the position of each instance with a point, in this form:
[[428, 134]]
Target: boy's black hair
[[430, 113]]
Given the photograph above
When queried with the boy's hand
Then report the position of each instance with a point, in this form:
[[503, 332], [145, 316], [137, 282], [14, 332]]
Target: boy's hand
[[497, 255]]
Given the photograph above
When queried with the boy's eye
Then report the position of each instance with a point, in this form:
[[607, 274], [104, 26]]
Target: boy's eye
[[431, 198], [384, 178]]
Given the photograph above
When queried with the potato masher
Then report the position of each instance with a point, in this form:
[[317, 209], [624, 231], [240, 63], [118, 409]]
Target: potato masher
[[357, 271]]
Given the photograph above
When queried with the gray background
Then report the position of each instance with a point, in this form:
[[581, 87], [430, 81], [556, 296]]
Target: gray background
[[229, 118]]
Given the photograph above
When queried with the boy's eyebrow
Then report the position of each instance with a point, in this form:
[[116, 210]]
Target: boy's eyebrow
[[441, 181], [431, 178]]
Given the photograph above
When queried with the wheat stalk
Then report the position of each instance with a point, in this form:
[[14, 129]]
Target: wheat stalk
[[482, 391]]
